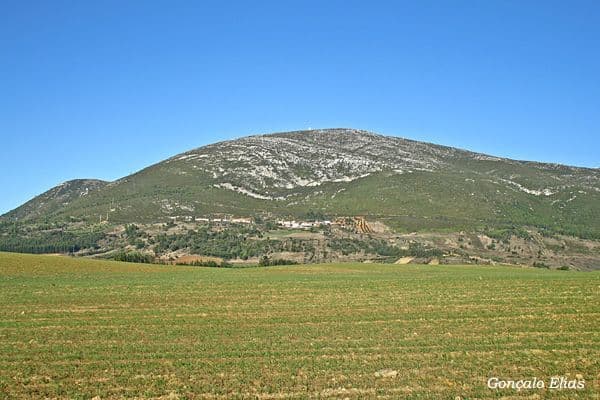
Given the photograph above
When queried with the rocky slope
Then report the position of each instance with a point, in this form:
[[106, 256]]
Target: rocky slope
[[55, 199]]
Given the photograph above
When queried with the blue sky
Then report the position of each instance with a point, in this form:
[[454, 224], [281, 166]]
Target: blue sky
[[102, 89]]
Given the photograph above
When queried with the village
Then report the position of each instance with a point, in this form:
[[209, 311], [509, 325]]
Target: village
[[356, 223]]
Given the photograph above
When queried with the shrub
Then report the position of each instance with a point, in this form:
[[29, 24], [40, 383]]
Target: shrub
[[539, 264], [266, 261], [134, 257], [211, 263]]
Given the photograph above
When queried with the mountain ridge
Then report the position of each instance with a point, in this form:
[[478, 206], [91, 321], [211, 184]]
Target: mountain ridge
[[57, 196]]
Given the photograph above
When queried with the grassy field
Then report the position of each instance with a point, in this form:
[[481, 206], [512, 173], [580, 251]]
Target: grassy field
[[74, 328]]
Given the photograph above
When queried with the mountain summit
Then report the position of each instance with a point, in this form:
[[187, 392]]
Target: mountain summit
[[263, 165]]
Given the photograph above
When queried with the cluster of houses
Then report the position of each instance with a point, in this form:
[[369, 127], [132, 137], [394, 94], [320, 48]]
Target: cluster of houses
[[302, 224], [247, 220], [241, 220], [224, 220], [356, 223]]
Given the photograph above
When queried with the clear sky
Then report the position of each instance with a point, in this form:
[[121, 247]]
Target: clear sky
[[100, 89]]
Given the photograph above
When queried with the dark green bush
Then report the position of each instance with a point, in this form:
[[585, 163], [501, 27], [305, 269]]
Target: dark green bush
[[134, 257], [539, 264]]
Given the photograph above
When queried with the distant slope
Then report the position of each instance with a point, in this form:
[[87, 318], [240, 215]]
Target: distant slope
[[57, 198], [408, 184]]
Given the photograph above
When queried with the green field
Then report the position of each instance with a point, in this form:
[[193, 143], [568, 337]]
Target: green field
[[76, 328]]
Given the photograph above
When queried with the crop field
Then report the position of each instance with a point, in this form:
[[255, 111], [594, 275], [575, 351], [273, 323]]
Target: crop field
[[76, 328]]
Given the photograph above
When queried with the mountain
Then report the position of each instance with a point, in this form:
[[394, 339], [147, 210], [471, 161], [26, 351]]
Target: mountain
[[322, 196], [407, 185]]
